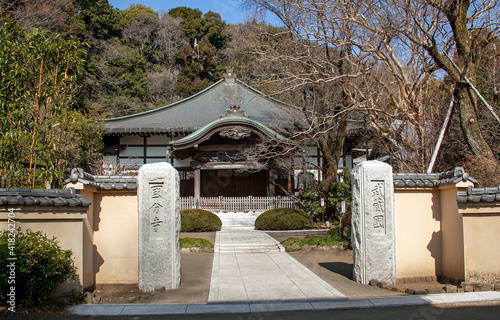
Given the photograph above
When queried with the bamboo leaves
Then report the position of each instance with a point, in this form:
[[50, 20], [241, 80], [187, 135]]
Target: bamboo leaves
[[38, 83]]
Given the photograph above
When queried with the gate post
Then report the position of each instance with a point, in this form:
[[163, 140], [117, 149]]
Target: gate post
[[373, 236], [159, 227]]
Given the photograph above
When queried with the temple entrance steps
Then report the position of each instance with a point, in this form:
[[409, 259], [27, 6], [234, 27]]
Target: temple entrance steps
[[238, 219], [245, 240], [254, 248]]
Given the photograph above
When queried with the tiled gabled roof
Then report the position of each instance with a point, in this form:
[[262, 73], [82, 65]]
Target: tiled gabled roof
[[431, 179], [204, 107], [42, 197], [104, 182], [489, 194]]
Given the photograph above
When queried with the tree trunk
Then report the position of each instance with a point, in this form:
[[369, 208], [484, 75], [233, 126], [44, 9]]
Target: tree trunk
[[467, 101], [466, 55], [332, 154]]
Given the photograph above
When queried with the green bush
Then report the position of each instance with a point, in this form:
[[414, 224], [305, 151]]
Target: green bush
[[284, 219], [40, 266], [335, 234], [197, 220]]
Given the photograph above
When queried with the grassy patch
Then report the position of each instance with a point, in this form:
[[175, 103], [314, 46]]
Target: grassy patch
[[330, 239], [195, 242]]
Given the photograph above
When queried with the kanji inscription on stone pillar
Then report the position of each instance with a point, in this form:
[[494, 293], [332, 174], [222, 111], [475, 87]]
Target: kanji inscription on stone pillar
[[159, 227], [373, 236]]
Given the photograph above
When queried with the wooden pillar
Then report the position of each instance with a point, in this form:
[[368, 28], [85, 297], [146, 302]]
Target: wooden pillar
[[197, 183], [271, 184], [145, 148]]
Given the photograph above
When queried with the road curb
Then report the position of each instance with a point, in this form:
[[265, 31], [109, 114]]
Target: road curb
[[273, 306]]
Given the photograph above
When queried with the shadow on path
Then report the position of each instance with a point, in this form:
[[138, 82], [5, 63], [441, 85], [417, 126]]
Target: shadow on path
[[342, 268]]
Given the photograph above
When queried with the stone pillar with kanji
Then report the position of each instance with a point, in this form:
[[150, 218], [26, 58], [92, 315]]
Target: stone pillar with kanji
[[158, 196], [373, 235]]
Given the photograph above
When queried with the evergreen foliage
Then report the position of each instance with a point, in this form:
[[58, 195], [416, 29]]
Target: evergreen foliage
[[99, 20], [197, 220], [43, 132], [284, 219], [40, 266], [199, 60], [338, 191], [136, 10]]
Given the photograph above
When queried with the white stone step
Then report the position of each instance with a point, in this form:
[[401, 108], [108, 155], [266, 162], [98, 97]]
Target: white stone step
[[271, 247], [238, 219]]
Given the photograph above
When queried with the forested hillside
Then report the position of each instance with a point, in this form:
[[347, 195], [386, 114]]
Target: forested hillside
[[67, 64]]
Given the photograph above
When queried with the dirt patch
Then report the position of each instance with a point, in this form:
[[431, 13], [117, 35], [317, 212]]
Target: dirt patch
[[116, 293], [196, 271], [210, 236], [335, 267]]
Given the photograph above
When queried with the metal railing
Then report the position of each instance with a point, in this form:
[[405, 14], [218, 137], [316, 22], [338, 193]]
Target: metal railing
[[238, 204]]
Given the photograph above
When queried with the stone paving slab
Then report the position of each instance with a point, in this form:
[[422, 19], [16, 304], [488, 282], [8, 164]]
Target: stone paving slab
[[261, 276], [260, 306]]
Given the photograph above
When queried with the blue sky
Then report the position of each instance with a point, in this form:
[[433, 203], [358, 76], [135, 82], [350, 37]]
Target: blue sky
[[230, 10]]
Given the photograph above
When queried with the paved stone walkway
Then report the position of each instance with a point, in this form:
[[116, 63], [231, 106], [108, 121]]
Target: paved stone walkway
[[250, 265]]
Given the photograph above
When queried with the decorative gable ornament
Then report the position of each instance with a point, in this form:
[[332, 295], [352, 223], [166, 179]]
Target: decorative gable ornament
[[235, 133], [234, 111]]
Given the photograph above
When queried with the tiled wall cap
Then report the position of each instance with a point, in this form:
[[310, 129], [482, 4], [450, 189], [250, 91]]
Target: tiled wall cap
[[42, 197]]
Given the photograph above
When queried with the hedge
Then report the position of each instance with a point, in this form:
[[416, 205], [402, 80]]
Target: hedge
[[197, 220], [284, 219]]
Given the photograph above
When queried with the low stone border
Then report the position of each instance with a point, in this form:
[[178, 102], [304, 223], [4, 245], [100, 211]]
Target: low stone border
[[313, 248], [446, 288], [97, 298], [117, 293], [417, 279], [476, 286]]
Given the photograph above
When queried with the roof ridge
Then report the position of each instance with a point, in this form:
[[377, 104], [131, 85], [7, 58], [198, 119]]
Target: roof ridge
[[168, 105]]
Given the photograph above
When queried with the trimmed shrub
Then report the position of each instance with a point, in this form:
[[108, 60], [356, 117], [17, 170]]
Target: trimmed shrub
[[284, 219], [40, 266], [197, 220]]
